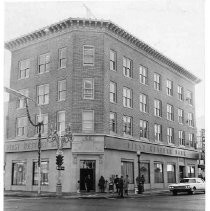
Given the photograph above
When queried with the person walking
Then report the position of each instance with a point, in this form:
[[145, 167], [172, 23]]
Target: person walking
[[120, 185], [116, 182], [126, 184], [87, 183], [101, 184]]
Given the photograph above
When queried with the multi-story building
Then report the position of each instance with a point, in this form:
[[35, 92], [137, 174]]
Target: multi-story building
[[120, 96]]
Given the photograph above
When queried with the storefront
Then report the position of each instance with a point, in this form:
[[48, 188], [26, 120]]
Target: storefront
[[96, 155]]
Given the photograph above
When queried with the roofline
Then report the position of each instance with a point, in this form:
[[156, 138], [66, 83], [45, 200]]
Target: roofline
[[71, 22]]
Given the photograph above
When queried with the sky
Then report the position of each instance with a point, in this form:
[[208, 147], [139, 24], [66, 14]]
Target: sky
[[174, 28]]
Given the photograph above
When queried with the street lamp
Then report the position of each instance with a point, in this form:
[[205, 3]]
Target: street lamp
[[38, 125], [140, 188], [60, 140]]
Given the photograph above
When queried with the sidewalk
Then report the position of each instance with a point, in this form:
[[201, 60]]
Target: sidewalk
[[84, 195]]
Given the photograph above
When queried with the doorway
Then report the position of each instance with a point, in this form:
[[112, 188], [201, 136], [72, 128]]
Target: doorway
[[87, 167], [181, 172]]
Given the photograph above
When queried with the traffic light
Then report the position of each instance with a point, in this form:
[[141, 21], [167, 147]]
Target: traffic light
[[59, 160]]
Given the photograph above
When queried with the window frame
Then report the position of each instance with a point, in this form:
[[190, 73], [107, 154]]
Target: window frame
[[113, 62], [125, 123], [180, 92], [143, 103], [189, 97], [46, 63], [170, 135], [24, 175], [157, 83], [26, 70], [169, 87], [111, 123], [44, 126], [60, 85], [92, 89], [23, 127], [127, 102], [180, 117], [158, 109], [60, 123], [45, 94], [91, 121], [126, 69], [158, 132], [181, 135], [60, 58], [170, 112], [93, 55], [21, 100], [145, 130], [190, 119], [160, 180], [114, 94], [143, 75]]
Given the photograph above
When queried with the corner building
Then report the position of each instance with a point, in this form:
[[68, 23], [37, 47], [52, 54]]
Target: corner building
[[119, 95]]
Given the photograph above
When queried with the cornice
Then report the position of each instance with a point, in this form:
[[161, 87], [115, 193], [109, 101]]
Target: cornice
[[71, 23]]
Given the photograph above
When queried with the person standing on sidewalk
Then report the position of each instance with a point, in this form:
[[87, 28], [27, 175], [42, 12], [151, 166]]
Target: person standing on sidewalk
[[120, 185], [142, 181], [116, 182], [126, 184], [101, 184]]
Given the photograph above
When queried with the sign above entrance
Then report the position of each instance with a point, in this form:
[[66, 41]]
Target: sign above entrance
[[31, 145]]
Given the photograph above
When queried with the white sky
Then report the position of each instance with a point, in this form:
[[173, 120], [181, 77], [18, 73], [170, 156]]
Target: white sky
[[174, 28]]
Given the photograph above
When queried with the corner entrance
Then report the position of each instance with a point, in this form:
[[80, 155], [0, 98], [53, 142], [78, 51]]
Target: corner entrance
[[87, 175]]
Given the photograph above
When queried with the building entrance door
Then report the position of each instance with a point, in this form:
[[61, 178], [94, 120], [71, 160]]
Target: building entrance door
[[181, 172], [87, 175]]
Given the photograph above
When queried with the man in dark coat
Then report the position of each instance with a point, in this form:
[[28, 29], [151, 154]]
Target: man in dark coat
[[116, 182], [101, 184], [120, 185]]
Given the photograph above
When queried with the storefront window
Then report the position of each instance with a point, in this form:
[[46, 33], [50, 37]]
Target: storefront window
[[158, 172], [19, 173], [171, 173], [145, 170], [44, 173], [127, 168], [191, 171]]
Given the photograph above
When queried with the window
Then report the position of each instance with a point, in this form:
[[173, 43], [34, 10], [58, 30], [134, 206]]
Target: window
[[88, 88], [145, 170], [191, 171], [143, 75], [44, 128], [113, 60], [190, 119], [21, 101], [88, 55], [127, 125], [88, 121], [158, 132], [157, 108], [181, 138], [171, 173], [170, 112], [61, 90], [43, 94], [180, 92], [24, 67], [44, 173], [143, 103], [61, 121], [127, 168], [144, 129], [127, 67], [158, 170], [21, 126], [157, 81], [127, 97], [191, 140], [189, 97], [19, 173], [113, 92], [169, 88], [170, 135], [180, 116], [44, 63], [113, 122], [62, 57]]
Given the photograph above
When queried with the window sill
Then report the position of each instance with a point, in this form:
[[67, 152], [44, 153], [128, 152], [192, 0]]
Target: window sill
[[113, 70], [127, 76], [61, 100], [113, 102], [143, 84], [127, 107], [88, 98], [61, 68], [22, 78]]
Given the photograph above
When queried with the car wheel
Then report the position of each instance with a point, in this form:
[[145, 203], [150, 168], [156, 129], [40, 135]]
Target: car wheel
[[174, 193], [193, 191]]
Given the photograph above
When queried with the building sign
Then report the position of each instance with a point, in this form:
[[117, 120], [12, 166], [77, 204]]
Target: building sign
[[150, 148], [31, 145]]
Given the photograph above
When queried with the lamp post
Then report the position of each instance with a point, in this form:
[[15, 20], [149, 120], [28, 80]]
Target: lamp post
[[38, 125], [139, 173], [60, 140]]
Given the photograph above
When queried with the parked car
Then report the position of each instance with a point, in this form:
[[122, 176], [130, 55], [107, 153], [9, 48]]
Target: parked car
[[189, 185]]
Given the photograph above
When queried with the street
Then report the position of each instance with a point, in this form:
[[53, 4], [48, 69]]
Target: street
[[145, 203]]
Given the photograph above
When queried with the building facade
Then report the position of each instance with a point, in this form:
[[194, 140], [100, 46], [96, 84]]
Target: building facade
[[119, 95]]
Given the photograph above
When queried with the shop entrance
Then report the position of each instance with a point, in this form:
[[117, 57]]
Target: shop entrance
[[181, 172], [87, 175]]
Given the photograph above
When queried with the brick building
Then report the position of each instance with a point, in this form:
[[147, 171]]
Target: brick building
[[119, 95]]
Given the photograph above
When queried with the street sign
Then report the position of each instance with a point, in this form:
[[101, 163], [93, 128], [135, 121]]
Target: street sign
[[62, 168]]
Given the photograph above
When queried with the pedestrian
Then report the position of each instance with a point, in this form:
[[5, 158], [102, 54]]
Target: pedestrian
[[78, 186], [142, 181], [120, 185], [101, 184], [126, 184], [87, 183], [116, 182]]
